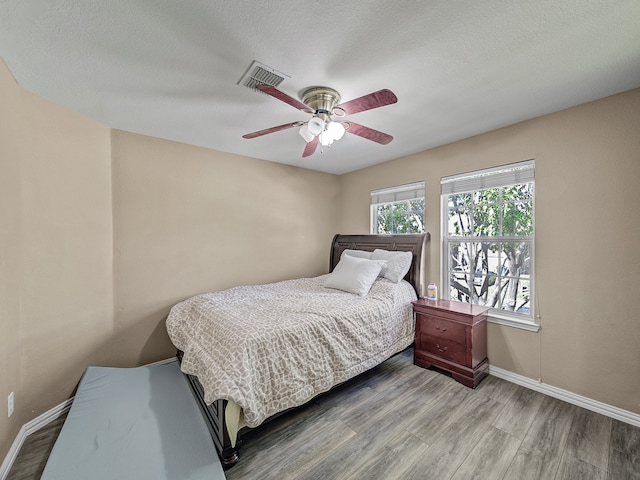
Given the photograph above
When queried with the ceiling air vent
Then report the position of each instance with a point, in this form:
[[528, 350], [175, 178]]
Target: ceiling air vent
[[260, 74]]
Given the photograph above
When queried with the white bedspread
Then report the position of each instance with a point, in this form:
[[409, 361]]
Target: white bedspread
[[273, 347]]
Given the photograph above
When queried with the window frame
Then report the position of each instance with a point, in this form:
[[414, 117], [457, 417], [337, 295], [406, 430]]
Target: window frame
[[502, 176], [393, 195]]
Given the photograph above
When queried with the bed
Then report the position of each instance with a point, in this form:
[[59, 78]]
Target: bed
[[252, 352]]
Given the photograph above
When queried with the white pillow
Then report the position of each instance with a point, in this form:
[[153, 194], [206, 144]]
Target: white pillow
[[354, 275], [398, 263], [357, 253]]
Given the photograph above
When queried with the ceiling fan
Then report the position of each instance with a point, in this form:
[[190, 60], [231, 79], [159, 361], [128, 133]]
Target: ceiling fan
[[324, 103]]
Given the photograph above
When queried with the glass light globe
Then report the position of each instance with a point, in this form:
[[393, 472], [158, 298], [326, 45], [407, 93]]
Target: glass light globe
[[336, 130], [325, 139], [315, 126], [304, 133]]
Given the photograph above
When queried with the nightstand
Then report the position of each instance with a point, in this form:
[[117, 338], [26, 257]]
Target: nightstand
[[452, 336]]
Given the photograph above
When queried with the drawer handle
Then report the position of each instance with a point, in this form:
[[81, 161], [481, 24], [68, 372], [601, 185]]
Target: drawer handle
[[441, 349], [440, 329]]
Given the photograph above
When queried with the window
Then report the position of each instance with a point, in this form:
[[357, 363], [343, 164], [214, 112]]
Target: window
[[398, 209], [488, 239]]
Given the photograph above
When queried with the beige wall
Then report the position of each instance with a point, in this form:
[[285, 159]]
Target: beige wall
[[10, 362], [56, 276], [103, 231], [587, 231], [189, 220]]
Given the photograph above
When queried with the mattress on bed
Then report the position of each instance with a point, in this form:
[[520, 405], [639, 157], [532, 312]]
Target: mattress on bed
[[273, 347], [134, 423]]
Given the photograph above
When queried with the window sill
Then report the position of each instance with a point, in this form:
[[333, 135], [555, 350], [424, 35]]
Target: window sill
[[510, 322]]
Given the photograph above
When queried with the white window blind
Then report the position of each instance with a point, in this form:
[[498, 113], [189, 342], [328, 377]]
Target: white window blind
[[513, 174], [401, 193]]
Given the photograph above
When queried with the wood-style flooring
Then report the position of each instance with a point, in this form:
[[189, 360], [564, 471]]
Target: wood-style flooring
[[35, 451], [400, 421]]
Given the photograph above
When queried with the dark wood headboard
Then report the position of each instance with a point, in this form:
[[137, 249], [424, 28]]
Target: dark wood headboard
[[414, 243]]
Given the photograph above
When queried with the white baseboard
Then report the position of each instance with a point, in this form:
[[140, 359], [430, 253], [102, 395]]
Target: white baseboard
[[161, 362], [40, 422], [567, 396], [27, 429]]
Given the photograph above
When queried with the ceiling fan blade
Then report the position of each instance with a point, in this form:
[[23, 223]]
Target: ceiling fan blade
[[310, 148], [369, 133], [274, 92], [367, 102], [259, 133]]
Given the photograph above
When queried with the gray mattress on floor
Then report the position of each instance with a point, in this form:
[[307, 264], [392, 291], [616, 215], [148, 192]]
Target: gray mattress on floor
[[134, 423]]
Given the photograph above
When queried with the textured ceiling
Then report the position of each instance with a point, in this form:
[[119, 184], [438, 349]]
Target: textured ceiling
[[170, 68]]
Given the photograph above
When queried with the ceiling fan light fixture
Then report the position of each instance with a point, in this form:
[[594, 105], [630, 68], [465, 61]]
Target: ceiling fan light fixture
[[304, 133], [325, 139], [315, 126], [336, 130]]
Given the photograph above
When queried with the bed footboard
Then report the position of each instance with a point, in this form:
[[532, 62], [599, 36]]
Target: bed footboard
[[214, 416]]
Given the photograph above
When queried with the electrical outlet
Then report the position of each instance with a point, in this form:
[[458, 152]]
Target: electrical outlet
[[10, 404]]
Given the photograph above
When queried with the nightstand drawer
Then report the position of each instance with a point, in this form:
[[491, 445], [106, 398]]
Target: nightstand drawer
[[447, 349], [439, 328]]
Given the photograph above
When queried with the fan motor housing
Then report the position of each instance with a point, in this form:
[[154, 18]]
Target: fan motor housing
[[321, 100]]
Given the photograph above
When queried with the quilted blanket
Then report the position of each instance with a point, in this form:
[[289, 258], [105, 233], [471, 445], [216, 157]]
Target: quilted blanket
[[273, 347]]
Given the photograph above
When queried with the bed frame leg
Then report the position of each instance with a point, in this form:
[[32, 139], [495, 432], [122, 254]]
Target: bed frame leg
[[229, 456]]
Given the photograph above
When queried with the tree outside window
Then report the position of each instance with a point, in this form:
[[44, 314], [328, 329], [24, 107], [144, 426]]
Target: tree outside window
[[400, 217], [398, 210], [488, 242]]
